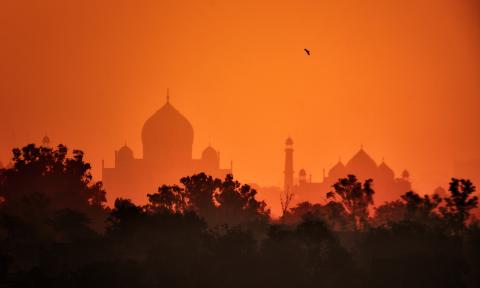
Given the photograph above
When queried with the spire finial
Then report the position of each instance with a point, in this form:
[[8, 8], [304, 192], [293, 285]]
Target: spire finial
[[361, 146], [168, 95]]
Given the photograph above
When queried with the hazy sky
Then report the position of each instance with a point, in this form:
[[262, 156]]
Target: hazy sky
[[400, 77]]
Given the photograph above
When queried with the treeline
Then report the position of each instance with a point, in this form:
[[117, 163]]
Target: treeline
[[55, 231]]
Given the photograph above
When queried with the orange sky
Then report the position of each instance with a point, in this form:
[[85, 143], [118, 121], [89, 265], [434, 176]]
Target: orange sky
[[399, 77]]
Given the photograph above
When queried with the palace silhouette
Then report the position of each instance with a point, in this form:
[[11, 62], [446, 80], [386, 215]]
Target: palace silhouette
[[387, 186], [167, 138]]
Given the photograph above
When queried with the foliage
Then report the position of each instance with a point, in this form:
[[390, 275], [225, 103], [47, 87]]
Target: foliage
[[218, 201], [459, 204], [355, 198], [208, 232]]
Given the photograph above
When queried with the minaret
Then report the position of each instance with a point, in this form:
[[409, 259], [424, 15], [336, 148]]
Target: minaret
[[288, 172]]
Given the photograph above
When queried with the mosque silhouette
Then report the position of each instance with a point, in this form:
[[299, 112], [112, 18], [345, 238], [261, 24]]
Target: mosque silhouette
[[387, 187], [167, 138]]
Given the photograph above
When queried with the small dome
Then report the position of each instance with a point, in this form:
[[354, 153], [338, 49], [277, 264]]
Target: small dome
[[45, 140], [440, 191], [302, 172], [405, 174], [210, 158], [125, 152], [209, 153], [338, 170], [289, 141], [385, 171]]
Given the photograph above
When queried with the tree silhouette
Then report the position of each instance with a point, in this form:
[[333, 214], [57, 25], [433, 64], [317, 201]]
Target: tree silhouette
[[169, 198], [390, 212], [44, 180], [459, 204], [200, 190], [332, 214], [72, 226], [217, 201], [124, 215], [66, 182], [355, 198], [285, 200], [421, 209], [209, 232], [237, 203]]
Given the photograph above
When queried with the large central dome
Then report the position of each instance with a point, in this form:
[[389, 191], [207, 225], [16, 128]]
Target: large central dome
[[167, 136], [362, 165]]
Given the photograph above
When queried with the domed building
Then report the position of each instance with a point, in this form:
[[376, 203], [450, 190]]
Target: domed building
[[167, 135], [167, 138], [124, 156], [361, 165], [337, 171], [210, 157], [387, 187]]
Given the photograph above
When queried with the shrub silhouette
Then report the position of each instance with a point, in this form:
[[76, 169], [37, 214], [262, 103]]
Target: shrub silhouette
[[205, 232], [355, 198], [459, 204]]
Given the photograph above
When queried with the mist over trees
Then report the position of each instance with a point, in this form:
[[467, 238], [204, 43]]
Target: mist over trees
[[56, 231]]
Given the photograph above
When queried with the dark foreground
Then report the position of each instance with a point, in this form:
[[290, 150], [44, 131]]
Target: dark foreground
[[56, 232]]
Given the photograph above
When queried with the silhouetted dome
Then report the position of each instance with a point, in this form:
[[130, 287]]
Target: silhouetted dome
[[338, 170], [405, 174], [209, 153], [302, 172], [167, 134], [167, 123], [361, 163], [385, 171], [45, 140], [125, 152], [440, 191], [289, 141]]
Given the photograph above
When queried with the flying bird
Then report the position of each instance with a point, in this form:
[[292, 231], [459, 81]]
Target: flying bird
[[307, 51]]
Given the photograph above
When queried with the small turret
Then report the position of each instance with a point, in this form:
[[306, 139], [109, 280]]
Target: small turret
[[45, 141], [302, 176]]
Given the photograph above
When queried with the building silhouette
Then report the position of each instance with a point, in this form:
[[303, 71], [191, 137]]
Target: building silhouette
[[387, 186], [288, 172], [167, 138]]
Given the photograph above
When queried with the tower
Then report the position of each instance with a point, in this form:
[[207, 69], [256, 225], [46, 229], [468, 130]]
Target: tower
[[288, 172]]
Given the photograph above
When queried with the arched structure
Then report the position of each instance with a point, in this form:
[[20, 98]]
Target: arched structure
[[167, 138]]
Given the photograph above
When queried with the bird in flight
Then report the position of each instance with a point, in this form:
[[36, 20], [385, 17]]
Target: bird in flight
[[307, 51]]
